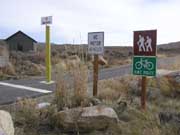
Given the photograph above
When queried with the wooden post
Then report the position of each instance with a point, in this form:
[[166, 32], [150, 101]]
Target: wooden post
[[143, 93], [95, 75]]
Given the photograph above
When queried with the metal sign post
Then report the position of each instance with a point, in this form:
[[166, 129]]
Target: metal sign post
[[46, 21], [144, 60], [48, 54], [96, 48]]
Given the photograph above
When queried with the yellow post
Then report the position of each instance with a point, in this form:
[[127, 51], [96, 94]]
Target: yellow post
[[48, 54]]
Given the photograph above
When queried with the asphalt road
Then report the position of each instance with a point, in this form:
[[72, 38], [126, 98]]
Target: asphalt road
[[11, 90]]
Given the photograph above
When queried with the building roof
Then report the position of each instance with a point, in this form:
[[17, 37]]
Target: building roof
[[22, 34]]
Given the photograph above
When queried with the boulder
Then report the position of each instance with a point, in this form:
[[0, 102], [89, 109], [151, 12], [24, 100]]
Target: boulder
[[6, 123], [86, 119], [43, 105], [95, 101], [169, 117]]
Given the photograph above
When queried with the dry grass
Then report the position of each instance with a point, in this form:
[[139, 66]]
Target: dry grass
[[133, 121], [166, 85], [80, 83], [140, 123], [6, 72], [27, 64], [71, 94], [31, 120], [61, 94], [113, 89], [26, 113]]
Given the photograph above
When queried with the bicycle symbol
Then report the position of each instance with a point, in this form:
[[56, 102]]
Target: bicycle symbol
[[144, 64]]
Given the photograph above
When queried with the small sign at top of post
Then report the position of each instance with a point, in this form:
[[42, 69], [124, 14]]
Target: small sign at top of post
[[46, 20]]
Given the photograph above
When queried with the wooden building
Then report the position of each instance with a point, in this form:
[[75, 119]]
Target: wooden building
[[21, 42]]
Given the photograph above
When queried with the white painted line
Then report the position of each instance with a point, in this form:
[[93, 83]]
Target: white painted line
[[25, 87], [45, 82]]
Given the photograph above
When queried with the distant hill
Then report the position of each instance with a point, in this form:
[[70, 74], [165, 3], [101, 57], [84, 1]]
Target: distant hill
[[173, 45], [2, 42]]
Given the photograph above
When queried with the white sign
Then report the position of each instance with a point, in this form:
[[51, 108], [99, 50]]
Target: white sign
[[96, 43], [46, 20]]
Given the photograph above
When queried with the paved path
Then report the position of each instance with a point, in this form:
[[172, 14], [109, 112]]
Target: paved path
[[11, 90]]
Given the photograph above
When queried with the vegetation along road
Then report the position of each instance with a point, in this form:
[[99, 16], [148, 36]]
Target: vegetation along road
[[11, 90]]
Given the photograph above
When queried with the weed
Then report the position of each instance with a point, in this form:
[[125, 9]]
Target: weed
[[27, 114], [80, 85], [71, 94]]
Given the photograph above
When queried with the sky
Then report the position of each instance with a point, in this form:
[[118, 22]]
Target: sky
[[73, 19]]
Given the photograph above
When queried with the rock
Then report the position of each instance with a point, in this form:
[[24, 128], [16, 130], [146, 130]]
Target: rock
[[6, 123], [43, 105], [67, 120], [86, 119], [95, 101], [169, 117], [121, 105]]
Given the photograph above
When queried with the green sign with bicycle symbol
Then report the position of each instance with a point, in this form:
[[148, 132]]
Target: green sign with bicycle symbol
[[145, 66]]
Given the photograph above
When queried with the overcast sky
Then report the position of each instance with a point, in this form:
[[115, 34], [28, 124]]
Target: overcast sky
[[73, 19]]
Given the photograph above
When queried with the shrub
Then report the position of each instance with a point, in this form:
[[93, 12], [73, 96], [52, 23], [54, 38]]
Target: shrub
[[61, 94], [113, 89], [80, 83], [140, 123], [32, 119], [164, 84], [71, 87], [27, 114]]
